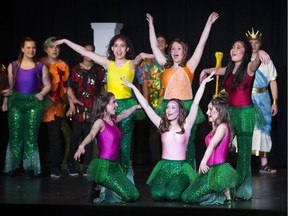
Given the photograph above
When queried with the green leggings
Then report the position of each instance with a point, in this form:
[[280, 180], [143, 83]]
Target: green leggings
[[243, 168], [116, 181], [169, 182]]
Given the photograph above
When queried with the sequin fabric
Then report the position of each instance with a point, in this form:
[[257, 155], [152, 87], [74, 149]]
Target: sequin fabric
[[126, 126], [86, 85], [110, 175], [169, 179], [24, 119], [218, 178], [243, 120]]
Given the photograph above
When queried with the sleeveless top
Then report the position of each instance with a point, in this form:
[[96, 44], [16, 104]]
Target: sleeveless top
[[177, 84], [114, 84], [239, 97], [108, 141], [27, 81], [220, 153]]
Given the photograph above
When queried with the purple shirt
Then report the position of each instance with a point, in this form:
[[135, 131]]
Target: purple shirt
[[28, 81]]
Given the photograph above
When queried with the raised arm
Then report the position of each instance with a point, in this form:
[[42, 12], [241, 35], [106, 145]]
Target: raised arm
[[145, 105], [190, 119], [196, 57], [140, 57], [159, 56], [261, 56], [102, 60]]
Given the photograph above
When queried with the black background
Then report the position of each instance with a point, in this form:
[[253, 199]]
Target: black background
[[183, 18]]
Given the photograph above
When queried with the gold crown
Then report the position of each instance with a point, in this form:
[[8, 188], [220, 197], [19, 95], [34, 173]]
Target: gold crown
[[254, 36]]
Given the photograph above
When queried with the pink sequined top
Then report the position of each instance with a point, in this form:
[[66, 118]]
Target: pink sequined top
[[220, 153], [108, 141]]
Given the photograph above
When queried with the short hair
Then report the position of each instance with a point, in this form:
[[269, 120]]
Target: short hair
[[48, 42]]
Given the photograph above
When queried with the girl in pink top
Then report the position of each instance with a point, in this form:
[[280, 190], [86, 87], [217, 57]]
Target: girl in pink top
[[106, 170], [121, 61], [215, 174], [172, 174]]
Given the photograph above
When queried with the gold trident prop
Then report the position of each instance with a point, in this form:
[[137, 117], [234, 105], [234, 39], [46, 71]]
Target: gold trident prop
[[219, 56]]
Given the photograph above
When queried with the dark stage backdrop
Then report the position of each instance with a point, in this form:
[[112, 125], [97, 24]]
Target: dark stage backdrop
[[183, 18]]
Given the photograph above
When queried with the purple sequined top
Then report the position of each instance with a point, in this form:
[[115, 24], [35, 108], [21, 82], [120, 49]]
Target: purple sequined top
[[108, 141], [28, 80]]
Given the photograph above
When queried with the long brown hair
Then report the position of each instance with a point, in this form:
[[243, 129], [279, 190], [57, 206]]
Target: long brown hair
[[165, 123], [169, 63], [220, 104], [100, 105]]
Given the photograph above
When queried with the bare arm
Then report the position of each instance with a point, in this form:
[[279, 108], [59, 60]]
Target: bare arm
[[204, 72], [4, 104], [139, 58], [97, 126], [46, 84], [274, 92], [196, 57], [102, 60], [127, 113], [145, 105], [71, 99], [9, 91], [160, 57], [253, 65], [220, 133], [195, 105]]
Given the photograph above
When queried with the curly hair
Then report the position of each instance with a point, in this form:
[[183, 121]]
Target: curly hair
[[130, 54]]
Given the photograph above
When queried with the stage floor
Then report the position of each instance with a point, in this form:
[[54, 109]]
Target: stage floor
[[70, 196]]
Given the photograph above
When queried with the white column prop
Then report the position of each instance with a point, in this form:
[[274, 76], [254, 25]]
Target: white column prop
[[103, 32]]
